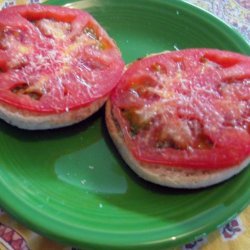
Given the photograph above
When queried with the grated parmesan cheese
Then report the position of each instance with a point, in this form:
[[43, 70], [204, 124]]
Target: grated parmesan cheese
[[184, 96]]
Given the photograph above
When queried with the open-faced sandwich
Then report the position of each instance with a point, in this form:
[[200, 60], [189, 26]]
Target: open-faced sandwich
[[182, 118], [57, 66]]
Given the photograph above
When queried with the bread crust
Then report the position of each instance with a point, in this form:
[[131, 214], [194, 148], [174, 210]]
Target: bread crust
[[175, 177], [37, 121]]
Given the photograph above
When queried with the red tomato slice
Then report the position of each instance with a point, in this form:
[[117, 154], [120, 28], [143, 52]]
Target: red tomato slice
[[54, 59], [188, 108]]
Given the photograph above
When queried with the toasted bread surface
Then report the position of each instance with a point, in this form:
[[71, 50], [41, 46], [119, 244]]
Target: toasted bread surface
[[176, 177], [32, 121]]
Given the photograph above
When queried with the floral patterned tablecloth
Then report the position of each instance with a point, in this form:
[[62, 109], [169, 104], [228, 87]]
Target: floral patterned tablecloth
[[235, 235]]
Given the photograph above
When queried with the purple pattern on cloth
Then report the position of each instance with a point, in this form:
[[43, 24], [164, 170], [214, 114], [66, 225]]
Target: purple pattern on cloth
[[235, 13], [7, 3], [11, 239], [195, 245], [244, 3], [231, 230]]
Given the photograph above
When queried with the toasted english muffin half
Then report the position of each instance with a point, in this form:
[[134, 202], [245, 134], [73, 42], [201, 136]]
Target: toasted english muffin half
[[172, 117], [169, 176], [57, 66], [35, 121]]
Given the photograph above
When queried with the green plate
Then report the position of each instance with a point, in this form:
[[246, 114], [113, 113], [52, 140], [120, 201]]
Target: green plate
[[71, 185]]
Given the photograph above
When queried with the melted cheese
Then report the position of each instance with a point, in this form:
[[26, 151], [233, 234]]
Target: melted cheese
[[187, 97], [52, 54], [57, 30]]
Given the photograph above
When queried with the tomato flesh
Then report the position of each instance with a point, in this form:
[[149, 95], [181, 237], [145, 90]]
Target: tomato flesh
[[55, 59], [188, 108]]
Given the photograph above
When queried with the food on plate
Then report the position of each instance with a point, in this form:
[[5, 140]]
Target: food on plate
[[57, 66], [182, 119]]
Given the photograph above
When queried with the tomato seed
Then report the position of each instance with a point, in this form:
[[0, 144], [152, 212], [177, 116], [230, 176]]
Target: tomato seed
[[90, 33], [20, 88], [34, 95]]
